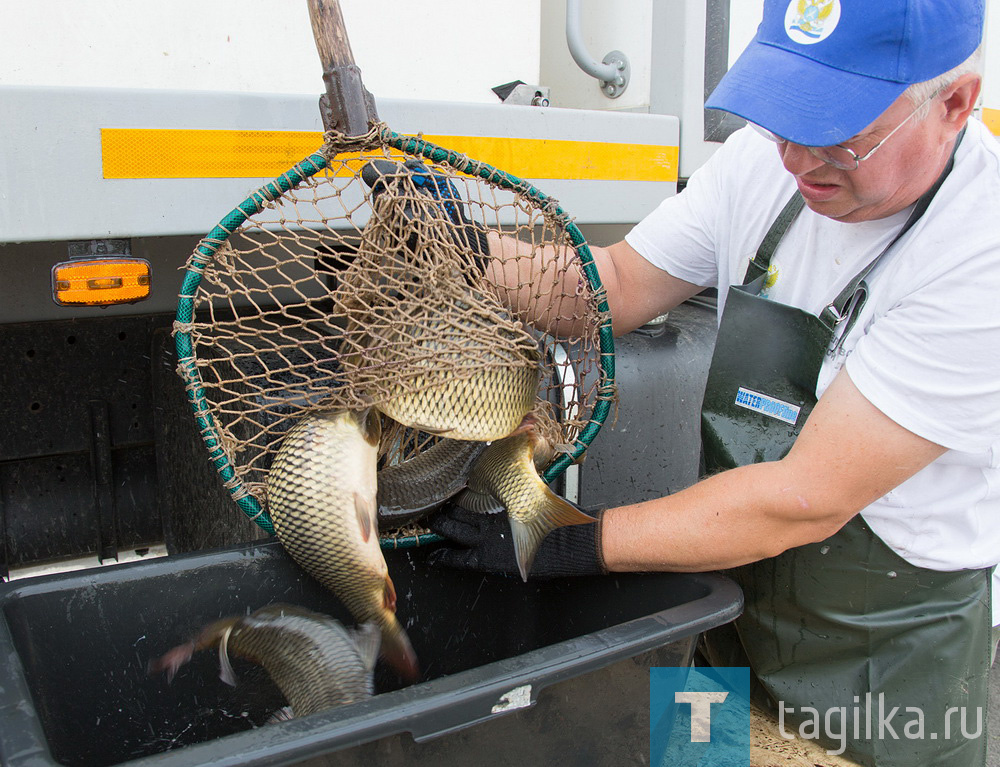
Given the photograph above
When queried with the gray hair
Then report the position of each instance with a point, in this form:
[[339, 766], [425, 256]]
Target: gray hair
[[921, 92]]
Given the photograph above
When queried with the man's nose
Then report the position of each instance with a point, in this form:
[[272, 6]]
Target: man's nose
[[797, 159]]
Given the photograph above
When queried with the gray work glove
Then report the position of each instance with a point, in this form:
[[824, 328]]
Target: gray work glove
[[386, 176]]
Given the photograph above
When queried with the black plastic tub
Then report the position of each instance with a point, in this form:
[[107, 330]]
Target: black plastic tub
[[546, 672]]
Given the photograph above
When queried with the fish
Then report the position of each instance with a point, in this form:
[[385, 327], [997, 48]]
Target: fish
[[423, 345], [321, 495], [453, 367], [506, 476], [314, 660], [413, 488], [483, 407]]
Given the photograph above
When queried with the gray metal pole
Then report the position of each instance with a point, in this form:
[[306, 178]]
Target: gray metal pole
[[613, 71]]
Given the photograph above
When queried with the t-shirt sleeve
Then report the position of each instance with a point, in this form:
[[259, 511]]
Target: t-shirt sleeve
[[932, 361], [680, 235], [711, 228]]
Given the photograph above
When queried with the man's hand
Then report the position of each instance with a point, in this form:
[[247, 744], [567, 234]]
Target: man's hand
[[386, 176], [483, 543]]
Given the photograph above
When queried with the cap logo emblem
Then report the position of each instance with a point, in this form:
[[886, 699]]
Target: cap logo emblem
[[811, 21]]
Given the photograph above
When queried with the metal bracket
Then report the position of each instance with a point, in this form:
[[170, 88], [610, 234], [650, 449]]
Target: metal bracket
[[616, 86], [347, 106], [523, 94]]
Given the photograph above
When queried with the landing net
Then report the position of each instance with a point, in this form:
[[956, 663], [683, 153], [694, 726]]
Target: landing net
[[348, 283]]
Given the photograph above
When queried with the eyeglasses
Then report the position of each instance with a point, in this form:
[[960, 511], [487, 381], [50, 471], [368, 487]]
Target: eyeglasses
[[840, 156]]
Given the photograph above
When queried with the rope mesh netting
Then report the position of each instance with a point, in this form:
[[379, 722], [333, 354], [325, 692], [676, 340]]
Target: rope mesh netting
[[373, 275]]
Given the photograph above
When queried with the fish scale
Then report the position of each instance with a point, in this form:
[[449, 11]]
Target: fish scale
[[485, 406], [321, 494], [447, 368]]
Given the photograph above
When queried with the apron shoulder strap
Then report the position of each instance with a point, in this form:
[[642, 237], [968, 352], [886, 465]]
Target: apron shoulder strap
[[753, 280], [848, 303]]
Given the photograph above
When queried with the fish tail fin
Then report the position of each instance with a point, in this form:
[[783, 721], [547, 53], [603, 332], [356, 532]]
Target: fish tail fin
[[213, 633], [171, 661], [398, 652], [528, 536]]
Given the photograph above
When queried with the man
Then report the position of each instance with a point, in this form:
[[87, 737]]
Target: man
[[851, 423]]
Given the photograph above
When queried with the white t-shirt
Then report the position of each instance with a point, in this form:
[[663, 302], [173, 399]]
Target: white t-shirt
[[926, 347]]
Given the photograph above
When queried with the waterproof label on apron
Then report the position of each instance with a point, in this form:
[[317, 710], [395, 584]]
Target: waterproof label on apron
[[761, 403]]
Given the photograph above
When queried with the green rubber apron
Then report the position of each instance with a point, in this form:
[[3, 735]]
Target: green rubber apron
[[845, 627]]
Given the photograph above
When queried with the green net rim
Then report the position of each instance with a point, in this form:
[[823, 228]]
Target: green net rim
[[290, 180]]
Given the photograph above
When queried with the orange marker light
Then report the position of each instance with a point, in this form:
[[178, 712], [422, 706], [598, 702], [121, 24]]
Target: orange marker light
[[101, 281]]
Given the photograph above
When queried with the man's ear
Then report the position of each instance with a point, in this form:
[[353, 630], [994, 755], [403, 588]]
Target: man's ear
[[960, 99]]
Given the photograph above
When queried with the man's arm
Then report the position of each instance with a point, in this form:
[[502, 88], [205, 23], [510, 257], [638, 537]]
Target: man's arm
[[545, 286], [848, 455]]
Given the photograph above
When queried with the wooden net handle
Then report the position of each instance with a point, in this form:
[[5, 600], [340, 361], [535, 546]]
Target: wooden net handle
[[330, 34]]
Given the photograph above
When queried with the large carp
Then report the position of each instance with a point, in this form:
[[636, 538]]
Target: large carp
[[410, 490], [454, 366], [321, 495]]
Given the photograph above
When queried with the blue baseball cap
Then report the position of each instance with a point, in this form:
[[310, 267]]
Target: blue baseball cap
[[819, 71]]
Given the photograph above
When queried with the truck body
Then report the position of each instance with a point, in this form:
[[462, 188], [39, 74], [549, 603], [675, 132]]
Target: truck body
[[100, 460]]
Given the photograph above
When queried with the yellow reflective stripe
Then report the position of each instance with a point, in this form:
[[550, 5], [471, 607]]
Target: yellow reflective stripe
[[556, 158], [992, 119], [185, 153], [169, 153]]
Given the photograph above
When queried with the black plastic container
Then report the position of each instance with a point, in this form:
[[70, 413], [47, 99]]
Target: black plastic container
[[650, 448], [546, 672]]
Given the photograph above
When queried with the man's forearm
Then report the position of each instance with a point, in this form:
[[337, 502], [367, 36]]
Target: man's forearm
[[543, 285], [726, 520], [546, 286]]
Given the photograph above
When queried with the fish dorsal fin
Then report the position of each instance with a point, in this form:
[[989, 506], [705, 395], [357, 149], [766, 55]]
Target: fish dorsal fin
[[226, 673], [431, 429], [561, 512], [365, 508], [484, 503], [367, 638]]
